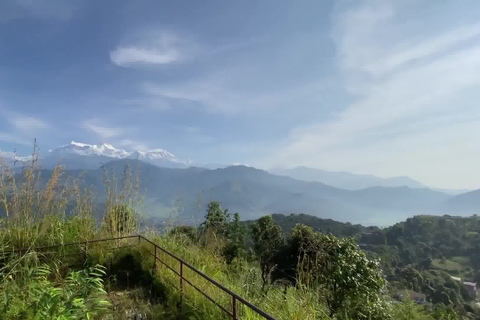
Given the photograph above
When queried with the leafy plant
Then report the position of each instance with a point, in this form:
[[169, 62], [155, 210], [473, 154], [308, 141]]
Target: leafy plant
[[30, 293]]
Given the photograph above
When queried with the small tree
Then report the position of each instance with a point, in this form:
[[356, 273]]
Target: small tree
[[216, 218], [236, 236], [268, 239], [214, 228]]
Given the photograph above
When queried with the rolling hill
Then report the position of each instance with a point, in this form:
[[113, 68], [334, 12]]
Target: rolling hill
[[253, 192]]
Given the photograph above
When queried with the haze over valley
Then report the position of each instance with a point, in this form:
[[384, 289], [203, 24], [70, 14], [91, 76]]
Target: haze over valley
[[173, 187]]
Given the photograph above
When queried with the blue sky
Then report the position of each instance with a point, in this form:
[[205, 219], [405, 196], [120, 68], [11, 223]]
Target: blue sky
[[381, 87]]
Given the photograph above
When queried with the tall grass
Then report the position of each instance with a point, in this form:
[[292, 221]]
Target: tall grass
[[61, 209]]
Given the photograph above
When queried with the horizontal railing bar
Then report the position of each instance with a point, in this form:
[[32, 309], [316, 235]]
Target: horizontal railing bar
[[225, 289], [208, 297], [166, 265], [69, 244], [165, 251], [245, 302]]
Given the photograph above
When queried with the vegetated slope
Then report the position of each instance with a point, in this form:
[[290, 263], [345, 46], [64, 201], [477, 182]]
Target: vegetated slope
[[421, 253], [254, 192], [337, 228], [465, 203]]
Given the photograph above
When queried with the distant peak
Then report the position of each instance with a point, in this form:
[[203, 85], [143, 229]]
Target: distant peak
[[108, 146], [78, 144], [156, 156]]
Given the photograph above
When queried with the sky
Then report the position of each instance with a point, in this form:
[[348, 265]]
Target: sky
[[389, 88]]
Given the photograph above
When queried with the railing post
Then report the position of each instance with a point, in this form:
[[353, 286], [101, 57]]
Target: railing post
[[181, 283], [138, 239], [234, 307], [155, 261]]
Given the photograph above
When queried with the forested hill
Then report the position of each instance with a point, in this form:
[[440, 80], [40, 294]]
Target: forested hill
[[417, 238], [422, 253], [339, 229]]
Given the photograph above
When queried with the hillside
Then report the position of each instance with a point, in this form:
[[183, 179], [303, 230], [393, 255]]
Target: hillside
[[254, 192], [432, 255], [339, 229], [346, 180], [351, 181], [466, 203]]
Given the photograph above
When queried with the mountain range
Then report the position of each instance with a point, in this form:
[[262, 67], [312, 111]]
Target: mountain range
[[351, 181], [172, 186], [78, 155]]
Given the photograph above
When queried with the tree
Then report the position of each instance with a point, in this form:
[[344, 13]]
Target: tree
[[268, 239], [215, 217], [350, 281], [349, 276], [236, 236], [426, 263]]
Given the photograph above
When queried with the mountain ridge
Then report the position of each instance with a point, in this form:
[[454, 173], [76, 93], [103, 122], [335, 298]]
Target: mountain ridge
[[77, 155], [353, 181], [253, 192]]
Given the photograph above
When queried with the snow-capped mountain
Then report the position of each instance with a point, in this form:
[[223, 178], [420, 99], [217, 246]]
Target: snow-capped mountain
[[78, 155], [84, 149]]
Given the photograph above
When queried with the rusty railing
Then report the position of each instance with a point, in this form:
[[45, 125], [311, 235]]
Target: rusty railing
[[232, 312]]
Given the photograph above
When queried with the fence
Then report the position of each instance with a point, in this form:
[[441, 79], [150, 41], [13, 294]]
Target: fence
[[183, 266]]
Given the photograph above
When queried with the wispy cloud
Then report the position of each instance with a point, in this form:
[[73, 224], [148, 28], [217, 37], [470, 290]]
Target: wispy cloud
[[103, 131], [216, 95], [153, 48], [133, 145], [398, 78], [160, 47], [15, 139], [127, 56], [28, 123], [21, 129]]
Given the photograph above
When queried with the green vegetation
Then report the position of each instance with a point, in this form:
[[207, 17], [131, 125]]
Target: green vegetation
[[291, 274], [29, 293], [268, 239], [421, 254]]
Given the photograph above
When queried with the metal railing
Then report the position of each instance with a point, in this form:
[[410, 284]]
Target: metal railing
[[232, 312]]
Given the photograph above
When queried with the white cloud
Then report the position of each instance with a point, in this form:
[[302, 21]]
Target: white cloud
[[153, 48], [127, 56], [399, 78], [162, 47], [28, 123], [101, 130]]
